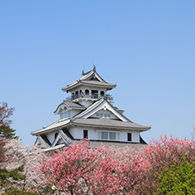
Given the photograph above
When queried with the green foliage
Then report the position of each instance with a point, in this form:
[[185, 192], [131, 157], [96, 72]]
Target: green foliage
[[15, 175], [5, 114], [7, 132], [19, 192], [179, 179]]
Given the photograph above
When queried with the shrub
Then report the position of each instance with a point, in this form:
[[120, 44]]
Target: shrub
[[179, 179], [19, 192]]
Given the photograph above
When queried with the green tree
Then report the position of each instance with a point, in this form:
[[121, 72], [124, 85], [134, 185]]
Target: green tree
[[179, 179], [19, 192], [7, 133], [5, 114], [6, 175]]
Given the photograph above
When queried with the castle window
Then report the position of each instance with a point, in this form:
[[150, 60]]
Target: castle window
[[86, 92], [102, 93], [129, 137], [112, 135], [94, 94], [76, 94], [103, 115], [85, 134], [104, 135], [108, 135]]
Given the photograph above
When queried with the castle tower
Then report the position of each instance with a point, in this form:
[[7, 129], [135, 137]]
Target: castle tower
[[89, 113]]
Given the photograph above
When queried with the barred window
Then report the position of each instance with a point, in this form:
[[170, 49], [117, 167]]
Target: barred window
[[108, 135]]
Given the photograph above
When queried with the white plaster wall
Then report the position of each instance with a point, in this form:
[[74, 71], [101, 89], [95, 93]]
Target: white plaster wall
[[77, 133], [69, 114], [51, 136], [74, 112], [104, 111], [65, 114], [123, 136], [134, 136], [92, 134]]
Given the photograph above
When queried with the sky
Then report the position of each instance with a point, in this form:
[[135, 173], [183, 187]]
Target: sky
[[146, 47]]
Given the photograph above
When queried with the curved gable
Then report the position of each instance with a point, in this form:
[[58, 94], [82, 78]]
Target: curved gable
[[62, 107], [101, 104]]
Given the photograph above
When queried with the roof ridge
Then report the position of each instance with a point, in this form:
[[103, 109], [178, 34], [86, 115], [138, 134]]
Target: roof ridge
[[113, 124], [68, 103], [94, 70], [84, 78], [56, 121], [86, 72]]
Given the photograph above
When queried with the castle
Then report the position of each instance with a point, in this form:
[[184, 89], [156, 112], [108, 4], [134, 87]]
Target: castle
[[89, 113]]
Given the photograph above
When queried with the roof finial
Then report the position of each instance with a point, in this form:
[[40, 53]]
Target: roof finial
[[94, 67], [83, 72]]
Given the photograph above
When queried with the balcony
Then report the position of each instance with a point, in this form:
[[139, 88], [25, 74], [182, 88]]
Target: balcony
[[90, 96]]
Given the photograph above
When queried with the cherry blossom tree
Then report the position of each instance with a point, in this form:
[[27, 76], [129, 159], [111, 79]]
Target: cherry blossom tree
[[10, 171], [34, 181], [82, 169], [103, 178], [2, 150], [130, 168], [164, 153], [22, 160]]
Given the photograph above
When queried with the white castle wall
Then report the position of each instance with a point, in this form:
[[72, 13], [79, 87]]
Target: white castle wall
[[77, 133]]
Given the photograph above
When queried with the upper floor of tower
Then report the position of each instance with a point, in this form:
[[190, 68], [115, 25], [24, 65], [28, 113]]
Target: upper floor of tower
[[89, 87]]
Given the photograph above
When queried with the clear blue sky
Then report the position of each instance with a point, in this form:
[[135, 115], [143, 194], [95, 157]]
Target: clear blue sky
[[146, 47]]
